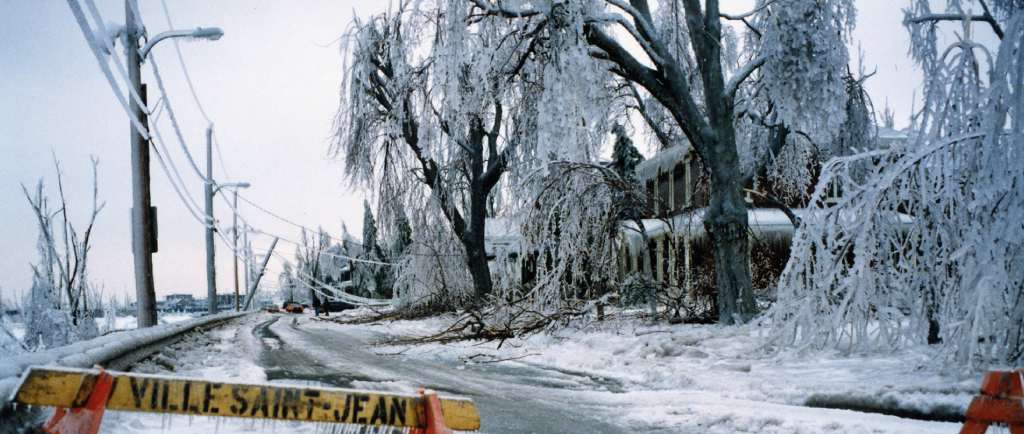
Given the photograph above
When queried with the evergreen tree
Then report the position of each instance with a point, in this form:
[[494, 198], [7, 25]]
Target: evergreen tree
[[625, 156], [369, 232], [403, 236]]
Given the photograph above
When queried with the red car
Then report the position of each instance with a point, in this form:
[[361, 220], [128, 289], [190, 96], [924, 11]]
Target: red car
[[293, 307]]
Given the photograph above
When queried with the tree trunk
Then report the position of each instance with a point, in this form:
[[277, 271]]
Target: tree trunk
[[725, 220], [473, 237], [476, 258]]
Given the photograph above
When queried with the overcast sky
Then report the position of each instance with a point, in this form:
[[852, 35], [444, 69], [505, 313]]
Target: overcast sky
[[270, 86]]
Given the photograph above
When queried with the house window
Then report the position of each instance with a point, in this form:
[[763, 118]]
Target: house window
[[833, 192]]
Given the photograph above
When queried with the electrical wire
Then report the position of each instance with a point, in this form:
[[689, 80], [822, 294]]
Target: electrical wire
[[174, 121], [190, 203], [181, 60], [315, 231], [109, 45], [344, 296], [192, 89], [83, 23], [220, 157]]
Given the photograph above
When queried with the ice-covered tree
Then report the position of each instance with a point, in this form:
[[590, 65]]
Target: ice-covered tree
[[288, 284], [927, 246], [371, 276], [56, 310], [572, 228], [625, 156], [432, 276], [437, 110], [684, 63]]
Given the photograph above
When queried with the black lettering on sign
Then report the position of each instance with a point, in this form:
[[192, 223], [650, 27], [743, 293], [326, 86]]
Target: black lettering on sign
[[277, 402], [260, 403], [380, 412], [184, 397], [358, 406], [236, 393], [207, 396], [292, 399], [312, 395], [163, 400], [138, 390], [156, 393], [348, 406], [398, 407]]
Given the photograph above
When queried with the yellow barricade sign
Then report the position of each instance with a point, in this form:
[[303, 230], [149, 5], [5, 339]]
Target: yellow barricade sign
[[69, 388]]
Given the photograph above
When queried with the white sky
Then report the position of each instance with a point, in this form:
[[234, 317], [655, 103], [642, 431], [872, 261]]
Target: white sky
[[271, 87]]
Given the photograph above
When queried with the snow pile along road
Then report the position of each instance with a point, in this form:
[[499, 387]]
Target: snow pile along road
[[225, 354], [100, 351]]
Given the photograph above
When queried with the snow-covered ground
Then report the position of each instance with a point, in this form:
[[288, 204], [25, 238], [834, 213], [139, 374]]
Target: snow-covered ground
[[120, 323], [707, 378], [667, 379]]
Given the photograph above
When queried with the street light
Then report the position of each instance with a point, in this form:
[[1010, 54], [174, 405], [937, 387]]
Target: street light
[[211, 270], [211, 33], [143, 216]]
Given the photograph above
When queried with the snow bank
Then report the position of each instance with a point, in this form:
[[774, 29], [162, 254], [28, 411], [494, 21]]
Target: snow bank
[[101, 350]]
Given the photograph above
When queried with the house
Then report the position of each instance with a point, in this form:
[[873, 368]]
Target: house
[[679, 253]]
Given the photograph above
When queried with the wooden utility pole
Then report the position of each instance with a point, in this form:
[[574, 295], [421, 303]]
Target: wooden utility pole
[[211, 270], [143, 239]]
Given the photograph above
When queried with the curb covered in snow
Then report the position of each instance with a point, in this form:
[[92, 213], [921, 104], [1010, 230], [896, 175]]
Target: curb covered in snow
[[99, 351]]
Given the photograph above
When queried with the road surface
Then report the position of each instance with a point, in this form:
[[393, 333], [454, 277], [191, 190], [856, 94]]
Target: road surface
[[509, 399]]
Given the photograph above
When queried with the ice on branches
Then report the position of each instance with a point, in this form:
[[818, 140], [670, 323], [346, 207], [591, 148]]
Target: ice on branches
[[805, 54], [930, 246]]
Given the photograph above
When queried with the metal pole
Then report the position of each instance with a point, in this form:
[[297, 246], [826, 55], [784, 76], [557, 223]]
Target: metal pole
[[256, 281], [141, 223], [211, 272], [248, 258], [234, 232]]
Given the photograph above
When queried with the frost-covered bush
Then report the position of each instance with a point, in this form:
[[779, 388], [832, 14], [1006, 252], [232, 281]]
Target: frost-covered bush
[[432, 275], [571, 226], [47, 326], [930, 243], [637, 289]]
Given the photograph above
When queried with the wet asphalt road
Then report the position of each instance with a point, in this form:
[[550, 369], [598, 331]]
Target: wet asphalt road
[[510, 399]]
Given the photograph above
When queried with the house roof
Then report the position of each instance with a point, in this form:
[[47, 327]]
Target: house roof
[[663, 161], [889, 135], [769, 223]]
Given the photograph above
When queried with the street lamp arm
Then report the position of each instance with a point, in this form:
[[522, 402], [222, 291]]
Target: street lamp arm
[[232, 185], [211, 33]]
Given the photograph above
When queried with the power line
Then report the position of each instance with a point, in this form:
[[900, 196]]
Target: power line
[[174, 121], [83, 23], [108, 45], [274, 215], [340, 295], [192, 89], [181, 60], [314, 231]]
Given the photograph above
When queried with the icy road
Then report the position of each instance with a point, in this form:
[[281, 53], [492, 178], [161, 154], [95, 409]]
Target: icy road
[[509, 399]]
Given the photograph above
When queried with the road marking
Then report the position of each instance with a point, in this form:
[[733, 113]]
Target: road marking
[[65, 388]]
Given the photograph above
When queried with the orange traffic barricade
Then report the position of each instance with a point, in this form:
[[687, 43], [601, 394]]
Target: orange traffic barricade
[[82, 395], [1001, 401]]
